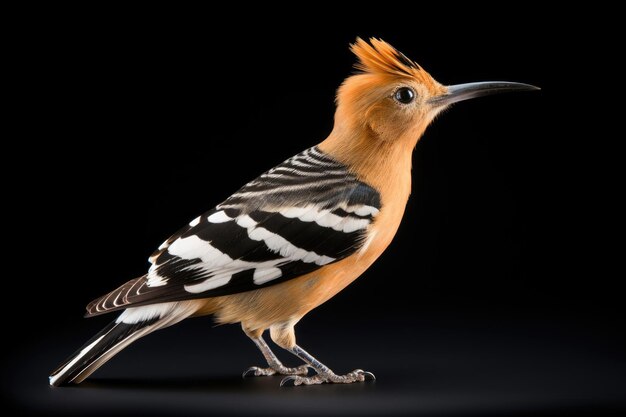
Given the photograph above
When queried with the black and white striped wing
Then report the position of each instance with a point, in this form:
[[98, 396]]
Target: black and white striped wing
[[303, 214]]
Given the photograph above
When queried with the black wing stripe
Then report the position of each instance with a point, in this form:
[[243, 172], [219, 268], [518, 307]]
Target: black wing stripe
[[306, 235], [233, 240]]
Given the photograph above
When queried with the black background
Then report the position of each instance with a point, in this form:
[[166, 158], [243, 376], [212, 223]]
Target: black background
[[495, 298]]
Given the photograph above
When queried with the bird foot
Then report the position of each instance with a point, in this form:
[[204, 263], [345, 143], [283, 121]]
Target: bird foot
[[358, 375], [273, 370]]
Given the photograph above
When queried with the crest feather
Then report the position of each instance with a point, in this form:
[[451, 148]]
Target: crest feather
[[379, 57]]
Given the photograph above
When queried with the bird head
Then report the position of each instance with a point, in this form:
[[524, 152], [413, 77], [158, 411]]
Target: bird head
[[393, 99]]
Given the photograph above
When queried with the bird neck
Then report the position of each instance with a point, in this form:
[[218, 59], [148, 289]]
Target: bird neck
[[384, 165]]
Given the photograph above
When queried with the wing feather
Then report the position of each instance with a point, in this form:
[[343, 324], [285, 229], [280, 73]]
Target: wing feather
[[305, 213]]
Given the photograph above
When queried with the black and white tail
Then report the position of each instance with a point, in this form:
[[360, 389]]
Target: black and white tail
[[131, 325]]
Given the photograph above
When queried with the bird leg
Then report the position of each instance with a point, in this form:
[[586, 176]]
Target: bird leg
[[324, 373], [275, 365]]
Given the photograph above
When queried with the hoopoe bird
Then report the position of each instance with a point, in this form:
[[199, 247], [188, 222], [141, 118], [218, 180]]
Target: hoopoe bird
[[294, 237]]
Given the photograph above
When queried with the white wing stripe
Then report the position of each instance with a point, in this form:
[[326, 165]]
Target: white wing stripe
[[261, 276], [246, 221], [155, 280], [279, 244], [192, 247], [294, 212], [352, 225], [325, 218], [219, 217], [224, 278], [330, 220], [138, 314], [363, 210]]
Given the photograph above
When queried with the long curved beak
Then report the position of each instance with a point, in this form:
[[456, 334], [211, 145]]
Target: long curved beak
[[460, 92]]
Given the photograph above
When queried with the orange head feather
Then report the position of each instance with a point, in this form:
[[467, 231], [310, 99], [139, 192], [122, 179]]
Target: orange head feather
[[387, 99], [380, 57]]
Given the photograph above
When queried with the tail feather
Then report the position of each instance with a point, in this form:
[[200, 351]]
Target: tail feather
[[131, 325]]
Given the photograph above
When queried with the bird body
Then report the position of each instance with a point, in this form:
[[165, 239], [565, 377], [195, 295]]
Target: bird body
[[291, 300], [294, 237]]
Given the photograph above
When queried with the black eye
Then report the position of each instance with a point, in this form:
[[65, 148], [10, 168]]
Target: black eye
[[404, 95]]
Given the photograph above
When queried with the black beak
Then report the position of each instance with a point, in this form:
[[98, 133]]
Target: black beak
[[467, 91]]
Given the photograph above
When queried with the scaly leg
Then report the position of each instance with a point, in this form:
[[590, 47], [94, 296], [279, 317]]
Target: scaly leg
[[324, 373], [283, 335], [275, 365]]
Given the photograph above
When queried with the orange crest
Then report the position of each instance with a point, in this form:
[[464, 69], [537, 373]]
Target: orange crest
[[378, 57]]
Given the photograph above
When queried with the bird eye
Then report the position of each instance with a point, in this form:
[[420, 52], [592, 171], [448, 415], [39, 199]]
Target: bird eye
[[404, 95]]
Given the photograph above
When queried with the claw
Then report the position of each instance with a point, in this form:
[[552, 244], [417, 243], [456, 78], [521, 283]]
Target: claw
[[368, 376], [251, 371], [289, 381]]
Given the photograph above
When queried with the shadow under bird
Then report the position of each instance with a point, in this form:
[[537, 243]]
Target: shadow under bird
[[294, 237]]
